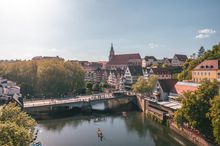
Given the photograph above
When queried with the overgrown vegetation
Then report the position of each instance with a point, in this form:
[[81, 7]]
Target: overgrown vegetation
[[45, 78]]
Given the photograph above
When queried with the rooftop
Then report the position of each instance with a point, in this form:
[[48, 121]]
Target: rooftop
[[181, 57], [136, 70], [123, 59], [208, 65]]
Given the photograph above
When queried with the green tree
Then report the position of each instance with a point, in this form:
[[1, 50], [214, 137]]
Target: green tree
[[96, 87], [190, 64], [45, 78], [145, 86], [201, 51], [214, 115], [16, 127], [195, 107]]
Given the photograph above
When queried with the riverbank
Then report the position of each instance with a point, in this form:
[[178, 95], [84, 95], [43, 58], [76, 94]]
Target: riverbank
[[161, 115]]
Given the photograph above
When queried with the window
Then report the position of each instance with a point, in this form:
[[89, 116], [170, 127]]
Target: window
[[197, 73], [209, 73], [218, 75]]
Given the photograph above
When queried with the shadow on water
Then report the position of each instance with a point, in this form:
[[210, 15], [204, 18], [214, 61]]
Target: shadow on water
[[135, 122]]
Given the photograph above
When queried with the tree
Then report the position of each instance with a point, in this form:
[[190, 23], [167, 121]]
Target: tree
[[96, 87], [195, 107], [214, 115], [145, 86], [201, 51], [16, 127], [45, 78], [89, 86], [190, 64]]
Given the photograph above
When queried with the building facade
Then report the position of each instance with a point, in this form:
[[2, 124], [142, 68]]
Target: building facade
[[122, 60], [208, 69], [160, 73], [178, 60], [149, 61], [131, 75]]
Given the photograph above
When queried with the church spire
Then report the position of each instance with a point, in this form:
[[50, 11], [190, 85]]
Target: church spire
[[112, 49], [112, 52]]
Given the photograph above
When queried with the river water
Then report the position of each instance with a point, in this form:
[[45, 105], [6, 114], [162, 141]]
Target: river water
[[133, 130]]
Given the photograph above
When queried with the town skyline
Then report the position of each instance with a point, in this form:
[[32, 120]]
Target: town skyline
[[84, 30]]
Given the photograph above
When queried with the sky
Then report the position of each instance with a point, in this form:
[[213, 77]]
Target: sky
[[85, 29]]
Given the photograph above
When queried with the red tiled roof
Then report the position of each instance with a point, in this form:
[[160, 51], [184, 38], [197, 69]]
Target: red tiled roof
[[181, 87], [123, 59], [208, 65]]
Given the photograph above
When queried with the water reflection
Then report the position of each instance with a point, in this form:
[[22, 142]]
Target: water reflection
[[134, 129]]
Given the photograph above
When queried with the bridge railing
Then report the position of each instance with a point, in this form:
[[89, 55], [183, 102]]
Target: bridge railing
[[69, 100]]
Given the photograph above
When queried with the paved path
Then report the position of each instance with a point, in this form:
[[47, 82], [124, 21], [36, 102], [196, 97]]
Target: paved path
[[47, 102]]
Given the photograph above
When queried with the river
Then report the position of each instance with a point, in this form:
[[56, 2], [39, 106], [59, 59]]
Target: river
[[133, 130]]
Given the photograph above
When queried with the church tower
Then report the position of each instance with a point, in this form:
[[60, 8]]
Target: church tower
[[112, 52]]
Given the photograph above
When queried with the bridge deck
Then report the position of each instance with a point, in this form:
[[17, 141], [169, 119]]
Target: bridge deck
[[48, 102]]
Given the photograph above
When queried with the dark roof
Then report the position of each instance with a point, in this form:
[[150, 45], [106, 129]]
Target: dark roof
[[175, 69], [136, 70], [150, 57], [123, 59], [159, 71], [208, 65], [167, 84], [181, 57]]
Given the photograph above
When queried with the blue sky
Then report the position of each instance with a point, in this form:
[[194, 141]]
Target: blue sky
[[84, 29]]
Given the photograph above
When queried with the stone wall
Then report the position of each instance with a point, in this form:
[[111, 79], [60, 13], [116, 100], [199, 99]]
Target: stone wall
[[189, 134]]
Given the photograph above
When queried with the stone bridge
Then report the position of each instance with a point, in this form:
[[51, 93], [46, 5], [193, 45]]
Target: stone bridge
[[83, 102]]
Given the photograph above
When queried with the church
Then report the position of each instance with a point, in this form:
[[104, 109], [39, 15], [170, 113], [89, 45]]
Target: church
[[122, 61]]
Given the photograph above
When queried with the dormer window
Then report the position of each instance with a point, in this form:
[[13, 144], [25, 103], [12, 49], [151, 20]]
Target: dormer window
[[211, 66], [202, 66]]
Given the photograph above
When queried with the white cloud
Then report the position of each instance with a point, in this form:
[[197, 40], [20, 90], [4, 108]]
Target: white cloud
[[201, 36], [153, 45], [205, 33]]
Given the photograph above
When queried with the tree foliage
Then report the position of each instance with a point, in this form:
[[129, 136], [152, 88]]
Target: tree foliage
[[145, 86], [16, 127], [44, 78], [190, 64], [201, 51], [195, 107], [214, 115]]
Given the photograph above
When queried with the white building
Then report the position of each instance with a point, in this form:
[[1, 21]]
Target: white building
[[178, 59]]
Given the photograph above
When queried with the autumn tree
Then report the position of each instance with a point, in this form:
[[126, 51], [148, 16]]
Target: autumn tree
[[45, 78]]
